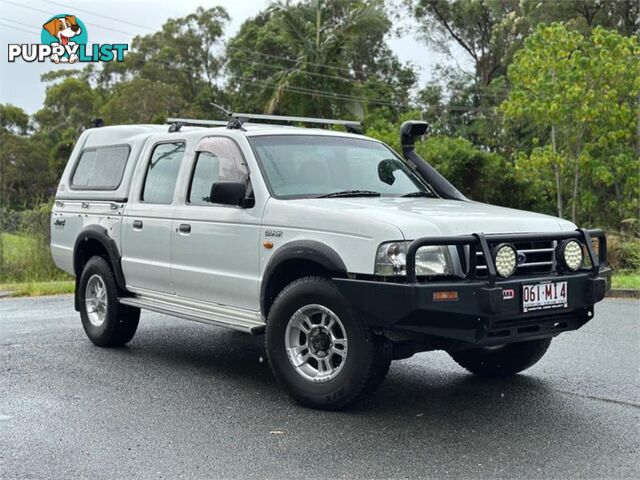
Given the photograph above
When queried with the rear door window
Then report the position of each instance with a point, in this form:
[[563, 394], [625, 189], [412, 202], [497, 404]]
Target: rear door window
[[162, 173], [100, 168]]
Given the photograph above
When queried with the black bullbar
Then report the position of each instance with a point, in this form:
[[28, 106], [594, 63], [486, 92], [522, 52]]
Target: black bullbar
[[487, 310]]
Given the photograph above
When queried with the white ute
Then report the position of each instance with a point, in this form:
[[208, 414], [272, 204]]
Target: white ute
[[344, 253]]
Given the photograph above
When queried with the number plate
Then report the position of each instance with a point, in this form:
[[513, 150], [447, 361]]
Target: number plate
[[541, 296]]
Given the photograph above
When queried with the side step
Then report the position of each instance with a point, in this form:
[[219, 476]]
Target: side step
[[236, 319]]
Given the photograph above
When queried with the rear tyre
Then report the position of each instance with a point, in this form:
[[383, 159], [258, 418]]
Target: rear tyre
[[320, 352], [105, 321], [502, 361]]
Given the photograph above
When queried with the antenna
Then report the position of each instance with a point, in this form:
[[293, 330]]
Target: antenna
[[222, 109], [234, 123]]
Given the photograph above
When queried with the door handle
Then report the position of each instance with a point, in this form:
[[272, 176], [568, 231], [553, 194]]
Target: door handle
[[137, 224], [184, 228]]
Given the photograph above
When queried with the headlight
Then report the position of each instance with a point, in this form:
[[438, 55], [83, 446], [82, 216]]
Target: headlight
[[570, 254], [505, 259], [391, 259]]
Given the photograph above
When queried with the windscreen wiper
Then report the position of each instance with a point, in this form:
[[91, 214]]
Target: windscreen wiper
[[351, 193], [417, 194]]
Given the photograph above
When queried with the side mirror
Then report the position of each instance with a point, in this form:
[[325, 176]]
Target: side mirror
[[228, 193], [386, 169], [411, 130]]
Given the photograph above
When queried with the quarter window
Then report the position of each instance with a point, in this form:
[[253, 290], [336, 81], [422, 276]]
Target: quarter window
[[218, 160], [162, 173], [204, 174], [100, 168]]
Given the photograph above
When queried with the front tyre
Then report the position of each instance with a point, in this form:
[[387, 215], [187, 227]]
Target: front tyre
[[322, 354], [502, 361], [106, 322]]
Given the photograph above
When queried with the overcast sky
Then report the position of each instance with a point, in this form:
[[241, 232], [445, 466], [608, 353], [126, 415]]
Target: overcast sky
[[21, 22]]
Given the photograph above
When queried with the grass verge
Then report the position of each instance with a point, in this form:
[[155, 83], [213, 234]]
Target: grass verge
[[26, 259], [626, 280], [35, 289]]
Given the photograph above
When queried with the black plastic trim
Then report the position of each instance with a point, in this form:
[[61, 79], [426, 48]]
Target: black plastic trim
[[481, 241], [64, 198], [441, 185], [100, 234], [308, 250], [481, 311]]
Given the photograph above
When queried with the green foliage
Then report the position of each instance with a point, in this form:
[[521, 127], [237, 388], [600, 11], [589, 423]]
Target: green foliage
[[179, 61], [141, 100], [581, 95], [488, 31], [24, 246], [315, 58], [36, 289], [623, 252], [630, 280], [25, 177], [26, 258], [13, 120], [569, 144], [480, 175]]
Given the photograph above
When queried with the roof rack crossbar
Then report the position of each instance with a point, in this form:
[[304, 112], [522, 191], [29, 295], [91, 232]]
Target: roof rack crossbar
[[238, 119], [282, 118], [181, 122]]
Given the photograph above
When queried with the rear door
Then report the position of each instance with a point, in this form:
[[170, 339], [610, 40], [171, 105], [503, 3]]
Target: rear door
[[146, 229], [216, 247]]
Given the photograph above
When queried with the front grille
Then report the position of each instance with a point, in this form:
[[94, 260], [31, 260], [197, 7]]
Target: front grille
[[539, 258]]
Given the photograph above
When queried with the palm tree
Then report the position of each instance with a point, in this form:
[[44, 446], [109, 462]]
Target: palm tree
[[326, 36]]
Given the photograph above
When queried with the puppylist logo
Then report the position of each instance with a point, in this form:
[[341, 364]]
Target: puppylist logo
[[64, 40]]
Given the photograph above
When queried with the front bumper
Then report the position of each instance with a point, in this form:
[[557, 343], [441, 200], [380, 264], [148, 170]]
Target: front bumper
[[482, 314]]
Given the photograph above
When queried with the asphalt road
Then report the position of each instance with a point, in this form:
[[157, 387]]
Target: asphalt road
[[185, 400]]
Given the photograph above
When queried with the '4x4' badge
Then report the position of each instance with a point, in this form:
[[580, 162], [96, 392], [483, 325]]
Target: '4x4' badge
[[273, 233]]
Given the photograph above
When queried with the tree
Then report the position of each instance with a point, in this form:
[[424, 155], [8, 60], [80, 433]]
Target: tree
[[485, 34], [316, 58], [140, 100], [70, 105], [181, 56], [581, 94], [489, 32], [23, 180], [13, 120]]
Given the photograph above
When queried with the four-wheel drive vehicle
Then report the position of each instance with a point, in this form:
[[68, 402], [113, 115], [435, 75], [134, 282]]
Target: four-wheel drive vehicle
[[345, 254]]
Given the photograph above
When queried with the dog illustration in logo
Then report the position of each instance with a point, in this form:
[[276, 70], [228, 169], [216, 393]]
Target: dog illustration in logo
[[64, 29]]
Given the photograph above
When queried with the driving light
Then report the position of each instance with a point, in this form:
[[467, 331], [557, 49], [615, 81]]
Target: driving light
[[391, 259], [505, 259], [571, 254]]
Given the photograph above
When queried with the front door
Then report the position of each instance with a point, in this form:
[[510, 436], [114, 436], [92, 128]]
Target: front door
[[216, 247]]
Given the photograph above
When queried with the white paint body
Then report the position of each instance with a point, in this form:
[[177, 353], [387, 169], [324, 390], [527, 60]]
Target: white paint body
[[222, 260]]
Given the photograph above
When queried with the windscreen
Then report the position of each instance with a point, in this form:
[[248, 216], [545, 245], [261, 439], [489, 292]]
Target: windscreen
[[298, 166]]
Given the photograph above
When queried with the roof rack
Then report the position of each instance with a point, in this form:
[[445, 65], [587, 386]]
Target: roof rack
[[282, 118], [238, 119], [177, 123]]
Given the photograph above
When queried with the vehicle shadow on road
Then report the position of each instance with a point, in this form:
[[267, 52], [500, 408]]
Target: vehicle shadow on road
[[421, 389], [425, 409]]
